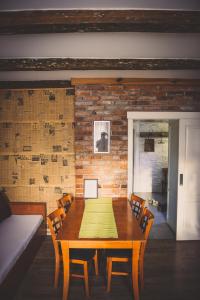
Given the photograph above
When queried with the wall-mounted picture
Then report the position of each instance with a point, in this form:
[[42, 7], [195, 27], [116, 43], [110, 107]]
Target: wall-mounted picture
[[101, 136], [90, 188]]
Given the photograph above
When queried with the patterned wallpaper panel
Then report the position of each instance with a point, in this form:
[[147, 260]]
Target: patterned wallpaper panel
[[37, 144]]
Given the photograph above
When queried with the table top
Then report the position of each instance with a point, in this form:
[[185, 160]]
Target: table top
[[127, 227]]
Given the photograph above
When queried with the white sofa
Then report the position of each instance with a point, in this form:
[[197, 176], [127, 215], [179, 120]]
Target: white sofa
[[20, 236]]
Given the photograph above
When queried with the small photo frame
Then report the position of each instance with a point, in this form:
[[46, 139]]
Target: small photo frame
[[149, 145], [90, 188], [101, 136]]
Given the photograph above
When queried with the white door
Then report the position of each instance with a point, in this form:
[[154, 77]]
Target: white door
[[172, 188], [136, 157], [188, 210]]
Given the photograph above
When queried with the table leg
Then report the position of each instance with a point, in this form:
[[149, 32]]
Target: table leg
[[135, 261], [66, 268]]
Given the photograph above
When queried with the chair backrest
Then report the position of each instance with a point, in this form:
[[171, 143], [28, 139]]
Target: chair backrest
[[137, 205], [54, 221], [146, 222], [65, 202]]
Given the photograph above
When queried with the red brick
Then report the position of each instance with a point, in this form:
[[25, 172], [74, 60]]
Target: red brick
[[111, 102]]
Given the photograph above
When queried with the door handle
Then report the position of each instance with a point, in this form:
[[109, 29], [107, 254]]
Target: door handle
[[181, 179]]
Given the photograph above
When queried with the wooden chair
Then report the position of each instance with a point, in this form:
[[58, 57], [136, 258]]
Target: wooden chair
[[146, 223], [81, 257], [125, 255], [137, 205], [65, 202]]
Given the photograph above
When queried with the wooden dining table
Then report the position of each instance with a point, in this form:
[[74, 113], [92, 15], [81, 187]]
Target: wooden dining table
[[130, 236]]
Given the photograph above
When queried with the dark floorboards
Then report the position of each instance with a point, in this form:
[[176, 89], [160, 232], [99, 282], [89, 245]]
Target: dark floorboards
[[172, 272]]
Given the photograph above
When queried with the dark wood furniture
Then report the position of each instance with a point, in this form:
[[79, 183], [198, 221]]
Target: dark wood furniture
[[10, 284], [130, 236]]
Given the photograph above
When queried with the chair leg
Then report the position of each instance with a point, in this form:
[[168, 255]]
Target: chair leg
[[141, 272], [85, 269], [57, 270], [109, 273], [96, 263], [141, 266]]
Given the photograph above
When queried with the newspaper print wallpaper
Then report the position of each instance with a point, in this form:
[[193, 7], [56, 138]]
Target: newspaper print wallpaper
[[37, 144]]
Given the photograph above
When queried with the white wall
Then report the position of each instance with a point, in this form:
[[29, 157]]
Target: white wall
[[148, 176], [98, 4]]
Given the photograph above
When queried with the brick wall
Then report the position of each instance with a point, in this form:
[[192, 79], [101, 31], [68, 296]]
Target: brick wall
[[111, 102]]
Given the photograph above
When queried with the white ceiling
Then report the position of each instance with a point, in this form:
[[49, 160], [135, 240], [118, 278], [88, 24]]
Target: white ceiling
[[67, 75], [99, 4], [101, 45]]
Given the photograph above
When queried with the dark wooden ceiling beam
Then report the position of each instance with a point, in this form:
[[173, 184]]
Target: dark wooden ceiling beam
[[36, 84], [52, 64], [55, 21], [70, 84], [154, 134]]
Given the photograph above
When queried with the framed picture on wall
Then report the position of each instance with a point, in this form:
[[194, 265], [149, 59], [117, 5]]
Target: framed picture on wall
[[101, 136], [90, 188]]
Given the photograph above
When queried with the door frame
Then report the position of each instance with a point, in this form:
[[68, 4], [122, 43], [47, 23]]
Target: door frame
[[150, 115]]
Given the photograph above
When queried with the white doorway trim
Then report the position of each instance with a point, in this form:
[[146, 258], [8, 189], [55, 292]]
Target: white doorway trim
[[151, 115]]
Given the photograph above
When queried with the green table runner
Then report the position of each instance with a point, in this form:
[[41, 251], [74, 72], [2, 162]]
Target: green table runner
[[98, 219]]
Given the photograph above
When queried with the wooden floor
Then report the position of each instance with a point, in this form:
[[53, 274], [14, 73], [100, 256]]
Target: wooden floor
[[172, 272]]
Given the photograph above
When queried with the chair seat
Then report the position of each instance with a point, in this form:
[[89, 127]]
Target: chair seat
[[126, 253], [82, 254]]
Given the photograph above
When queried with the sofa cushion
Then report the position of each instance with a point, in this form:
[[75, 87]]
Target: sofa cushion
[[16, 232], [5, 210]]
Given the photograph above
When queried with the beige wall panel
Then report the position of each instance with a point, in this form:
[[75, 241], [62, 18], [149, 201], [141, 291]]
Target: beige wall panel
[[36, 105], [37, 144]]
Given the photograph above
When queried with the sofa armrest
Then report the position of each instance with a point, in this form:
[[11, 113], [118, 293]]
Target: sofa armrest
[[29, 208]]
